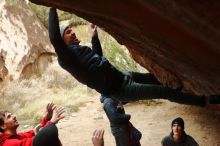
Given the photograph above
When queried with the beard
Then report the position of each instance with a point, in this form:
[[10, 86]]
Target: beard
[[76, 41]]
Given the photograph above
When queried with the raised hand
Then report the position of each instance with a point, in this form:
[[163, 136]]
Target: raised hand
[[57, 114], [94, 29], [50, 108], [97, 137]]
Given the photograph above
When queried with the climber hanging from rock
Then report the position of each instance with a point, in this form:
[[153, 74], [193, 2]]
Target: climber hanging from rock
[[91, 68]]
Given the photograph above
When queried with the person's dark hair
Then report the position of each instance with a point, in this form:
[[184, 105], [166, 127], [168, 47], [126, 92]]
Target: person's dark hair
[[2, 115], [178, 121]]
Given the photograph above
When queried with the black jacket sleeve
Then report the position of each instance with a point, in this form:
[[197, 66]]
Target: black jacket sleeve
[[55, 37], [96, 45]]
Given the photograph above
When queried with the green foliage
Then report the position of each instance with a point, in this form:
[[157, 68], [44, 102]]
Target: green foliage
[[37, 119], [42, 14], [74, 108], [73, 19], [12, 2], [60, 81], [13, 99], [118, 55]]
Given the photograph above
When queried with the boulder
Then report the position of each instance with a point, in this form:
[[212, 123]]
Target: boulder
[[177, 41]]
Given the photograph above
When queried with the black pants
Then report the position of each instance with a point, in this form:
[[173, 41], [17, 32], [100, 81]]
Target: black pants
[[48, 136], [139, 86]]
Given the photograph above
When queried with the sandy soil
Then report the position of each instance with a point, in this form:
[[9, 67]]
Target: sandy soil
[[153, 121]]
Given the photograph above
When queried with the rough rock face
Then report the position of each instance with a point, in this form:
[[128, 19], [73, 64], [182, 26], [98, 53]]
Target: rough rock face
[[178, 41], [24, 45]]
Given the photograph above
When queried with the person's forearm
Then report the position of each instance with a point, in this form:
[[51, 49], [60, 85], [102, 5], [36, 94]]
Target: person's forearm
[[53, 25], [44, 120], [54, 34], [54, 29], [96, 45], [48, 123]]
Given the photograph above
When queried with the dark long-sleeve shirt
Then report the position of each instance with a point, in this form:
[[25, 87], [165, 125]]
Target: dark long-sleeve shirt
[[186, 140], [87, 65]]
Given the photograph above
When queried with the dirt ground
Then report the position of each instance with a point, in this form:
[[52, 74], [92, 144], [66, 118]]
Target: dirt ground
[[153, 121]]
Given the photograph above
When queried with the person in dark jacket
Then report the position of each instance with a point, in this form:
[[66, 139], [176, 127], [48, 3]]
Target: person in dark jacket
[[44, 134], [124, 132], [89, 67], [178, 137]]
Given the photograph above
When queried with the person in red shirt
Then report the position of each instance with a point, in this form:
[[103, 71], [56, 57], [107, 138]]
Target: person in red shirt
[[45, 133]]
